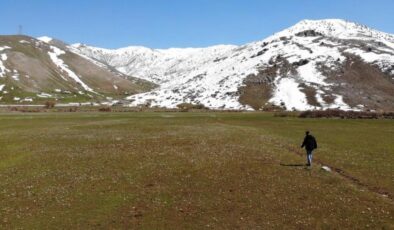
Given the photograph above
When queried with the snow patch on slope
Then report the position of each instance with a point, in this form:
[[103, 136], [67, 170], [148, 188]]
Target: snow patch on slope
[[337, 28], [338, 102], [60, 63], [311, 75], [2, 48], [383, 60], [74, 48], [44, 95], [288, 93], [3, 69], [4, 57]]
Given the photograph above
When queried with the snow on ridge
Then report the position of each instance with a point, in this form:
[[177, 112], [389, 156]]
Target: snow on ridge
[[202, 76], [60, 63], [74, 48], [45, 39], [143, 49], [194, 51], [337, 28], [154, 65], [212, 76]]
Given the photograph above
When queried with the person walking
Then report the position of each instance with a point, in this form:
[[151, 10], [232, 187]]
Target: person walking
[[310, 144]]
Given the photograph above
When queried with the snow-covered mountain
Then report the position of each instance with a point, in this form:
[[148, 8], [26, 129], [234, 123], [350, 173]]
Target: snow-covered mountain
[[315, 64]]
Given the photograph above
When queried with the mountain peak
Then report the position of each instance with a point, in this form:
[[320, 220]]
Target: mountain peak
[[324, 21], [45, 39], [337, 28], [331, 27]]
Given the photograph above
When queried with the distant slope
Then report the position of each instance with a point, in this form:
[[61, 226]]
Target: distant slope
[[32, 71], [313, 65]]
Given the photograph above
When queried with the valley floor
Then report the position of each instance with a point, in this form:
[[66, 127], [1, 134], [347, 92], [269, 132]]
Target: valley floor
[[193, 171]]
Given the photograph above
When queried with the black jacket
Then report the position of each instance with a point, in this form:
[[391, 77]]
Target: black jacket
[[309, 142]]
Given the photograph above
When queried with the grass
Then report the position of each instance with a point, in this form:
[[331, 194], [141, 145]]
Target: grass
[[191, 171]]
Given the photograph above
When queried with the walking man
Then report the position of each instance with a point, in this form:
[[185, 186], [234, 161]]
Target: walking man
[[310, 145]]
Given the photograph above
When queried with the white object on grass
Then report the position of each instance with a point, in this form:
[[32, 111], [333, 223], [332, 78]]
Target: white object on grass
[[326, 168]]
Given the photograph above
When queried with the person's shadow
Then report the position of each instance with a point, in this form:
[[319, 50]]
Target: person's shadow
[[292, 165]]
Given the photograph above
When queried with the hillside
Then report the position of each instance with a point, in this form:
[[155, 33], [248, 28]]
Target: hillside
[[311, 65], [34, 71]]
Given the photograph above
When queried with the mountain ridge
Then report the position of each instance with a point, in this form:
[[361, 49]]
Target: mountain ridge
[[276, 34], [314, 64], [308, 55]]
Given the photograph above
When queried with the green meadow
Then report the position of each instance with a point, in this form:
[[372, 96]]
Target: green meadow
[[193, 171]]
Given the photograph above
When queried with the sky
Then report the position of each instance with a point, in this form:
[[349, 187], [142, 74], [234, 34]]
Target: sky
[[179, 23]]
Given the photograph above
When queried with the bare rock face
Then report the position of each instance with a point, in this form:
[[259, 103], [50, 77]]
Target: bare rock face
[[308, 33], [361, 83]]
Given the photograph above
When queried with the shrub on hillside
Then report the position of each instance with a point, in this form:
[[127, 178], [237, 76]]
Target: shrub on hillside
[[334, 113], [72, 109], [49, 104], [104, 109], [189, 106], [26, 109], [388, 115], [286, 114]]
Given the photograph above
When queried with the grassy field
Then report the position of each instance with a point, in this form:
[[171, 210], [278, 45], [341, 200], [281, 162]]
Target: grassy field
[[193, 171]]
